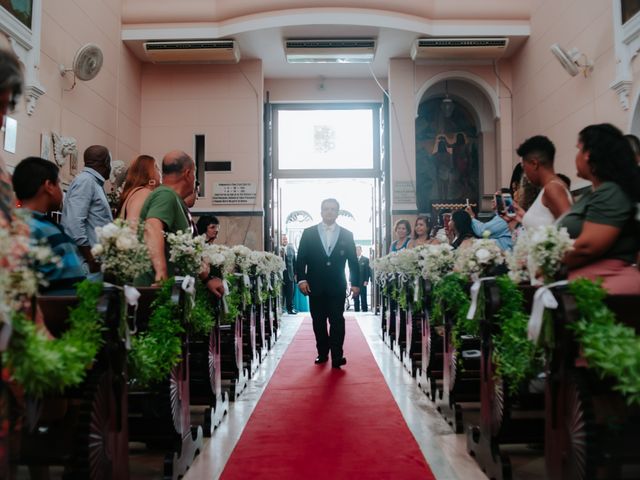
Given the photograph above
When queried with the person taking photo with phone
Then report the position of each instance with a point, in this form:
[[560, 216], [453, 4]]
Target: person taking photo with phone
[[554, 199]]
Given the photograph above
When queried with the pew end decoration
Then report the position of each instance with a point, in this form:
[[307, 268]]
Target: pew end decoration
[[537, 255], [41, 365], [185, 252], [121, 252], [479, 259]]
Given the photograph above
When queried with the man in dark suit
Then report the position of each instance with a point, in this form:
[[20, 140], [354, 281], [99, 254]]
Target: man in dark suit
[[324, 249], [289, 255], [365, 276]]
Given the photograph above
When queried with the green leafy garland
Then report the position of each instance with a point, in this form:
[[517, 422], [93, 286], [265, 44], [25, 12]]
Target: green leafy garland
[[611, 348], [44, 366], [449, 295], [517, 359], [201, 314], [155, 352], [238, 296]]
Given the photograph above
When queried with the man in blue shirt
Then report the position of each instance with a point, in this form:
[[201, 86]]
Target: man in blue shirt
[[497, 228], [37, 186], [85, 205]]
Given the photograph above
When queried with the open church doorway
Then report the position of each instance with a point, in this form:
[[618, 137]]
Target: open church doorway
[[318, 151]]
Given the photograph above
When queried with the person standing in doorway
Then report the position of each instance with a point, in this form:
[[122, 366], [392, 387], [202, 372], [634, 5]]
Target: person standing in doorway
[[289, 255], [324, 250], [365, 276]]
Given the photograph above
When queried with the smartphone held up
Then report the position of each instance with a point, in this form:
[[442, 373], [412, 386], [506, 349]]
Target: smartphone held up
[[504, 204]]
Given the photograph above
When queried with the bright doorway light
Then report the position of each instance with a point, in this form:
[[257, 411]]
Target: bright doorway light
[[325, 139]]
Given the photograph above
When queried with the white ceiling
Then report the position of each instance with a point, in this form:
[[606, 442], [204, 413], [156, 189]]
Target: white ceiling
[[267, 44]]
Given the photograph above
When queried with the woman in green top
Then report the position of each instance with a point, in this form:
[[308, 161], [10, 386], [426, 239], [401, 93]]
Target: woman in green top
[[603, 221]]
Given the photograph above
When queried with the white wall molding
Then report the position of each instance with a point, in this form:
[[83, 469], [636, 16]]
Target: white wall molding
[[627, 46], [26, 44], [474, 79]]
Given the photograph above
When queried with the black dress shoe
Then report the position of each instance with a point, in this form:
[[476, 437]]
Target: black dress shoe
[[337, 363], [293, 311], [321, 359]]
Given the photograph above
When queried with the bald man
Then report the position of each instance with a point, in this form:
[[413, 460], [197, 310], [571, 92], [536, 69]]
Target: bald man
[[164, 211], [85, 205]]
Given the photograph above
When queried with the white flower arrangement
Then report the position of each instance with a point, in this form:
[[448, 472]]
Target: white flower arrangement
[[185, 252], [121, 251], [538, 254], [478, 259], [220, 258], [435, 261], [242, 254], [382, 270], [19, 259]]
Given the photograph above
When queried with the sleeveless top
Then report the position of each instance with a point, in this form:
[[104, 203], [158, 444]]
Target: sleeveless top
[[539, 215], [396, 248], [123, 210]]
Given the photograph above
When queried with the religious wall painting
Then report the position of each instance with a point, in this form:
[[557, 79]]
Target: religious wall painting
[[447, 155]]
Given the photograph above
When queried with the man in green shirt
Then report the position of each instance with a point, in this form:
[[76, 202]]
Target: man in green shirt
[[164, 211]]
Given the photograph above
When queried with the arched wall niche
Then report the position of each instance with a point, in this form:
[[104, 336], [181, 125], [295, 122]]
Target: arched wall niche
[[472, 167]]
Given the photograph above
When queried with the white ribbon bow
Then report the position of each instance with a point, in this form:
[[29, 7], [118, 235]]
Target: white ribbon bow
[[225, 307], [259, 284], [269, 286], [131, 294], [475, 290], [189, 284], [247, 280], [543, 298], [416, 290]]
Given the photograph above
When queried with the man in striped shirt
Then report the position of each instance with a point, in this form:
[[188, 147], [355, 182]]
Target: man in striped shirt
[[37, 186]]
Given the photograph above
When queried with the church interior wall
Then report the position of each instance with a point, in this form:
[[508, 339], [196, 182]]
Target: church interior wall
[[547, 100], [103, 111]]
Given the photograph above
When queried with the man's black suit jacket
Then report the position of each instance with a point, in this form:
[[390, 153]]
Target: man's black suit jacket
[[325, 274], [289, 261], [365, 269]]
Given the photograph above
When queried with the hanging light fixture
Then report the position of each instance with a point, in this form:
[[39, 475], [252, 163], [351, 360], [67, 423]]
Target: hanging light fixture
[[447, 104]]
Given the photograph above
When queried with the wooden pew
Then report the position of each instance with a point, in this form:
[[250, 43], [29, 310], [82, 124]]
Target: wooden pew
[[504, 418], [85, 428], [431, 351], [249, 347], [460, 375], [233, 369], [590, 432], [159, 415], [205, 379], [412, 358], [400, 339], [261, 337], [390, 320]]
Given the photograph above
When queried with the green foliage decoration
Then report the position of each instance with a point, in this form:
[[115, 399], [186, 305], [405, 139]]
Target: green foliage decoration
[[201, 314], [156, 351], [517, 359], [44, 366], [450, 295], [611, 348]]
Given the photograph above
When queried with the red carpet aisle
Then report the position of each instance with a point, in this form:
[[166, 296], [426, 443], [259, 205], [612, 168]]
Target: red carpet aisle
[[314, 421]]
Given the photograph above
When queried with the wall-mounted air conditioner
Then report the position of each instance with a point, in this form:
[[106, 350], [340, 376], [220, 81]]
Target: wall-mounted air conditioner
[[327, 50], [457, 48], [192, 51]]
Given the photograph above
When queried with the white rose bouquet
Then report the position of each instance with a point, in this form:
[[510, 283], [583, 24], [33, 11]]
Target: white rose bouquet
[[478, 259], [435, 261], [185, 252], [221, 259], [538, 254], [121, 252]]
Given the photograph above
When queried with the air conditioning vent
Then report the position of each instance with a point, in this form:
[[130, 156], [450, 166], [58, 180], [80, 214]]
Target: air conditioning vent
[[324, 50], [457, 48], [193, 51]]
